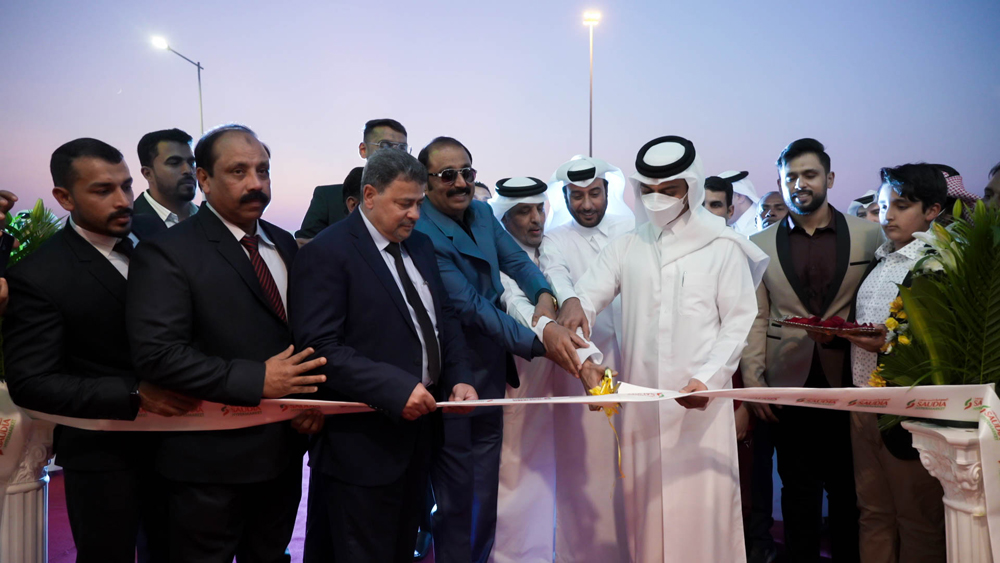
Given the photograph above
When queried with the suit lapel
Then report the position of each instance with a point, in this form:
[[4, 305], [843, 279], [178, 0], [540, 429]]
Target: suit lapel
[[463, 243], [96, 264], [215, 231], [784, 250], [366, 247], [843, 259]]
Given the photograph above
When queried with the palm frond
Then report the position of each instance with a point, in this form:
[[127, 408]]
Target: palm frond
[[31, 228], [954, 314]]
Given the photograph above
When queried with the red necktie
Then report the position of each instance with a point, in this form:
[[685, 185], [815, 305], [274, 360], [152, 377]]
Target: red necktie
[[264, 276]]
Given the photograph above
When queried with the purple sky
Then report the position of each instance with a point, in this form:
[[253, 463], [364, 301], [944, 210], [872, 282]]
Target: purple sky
[[879, 82]]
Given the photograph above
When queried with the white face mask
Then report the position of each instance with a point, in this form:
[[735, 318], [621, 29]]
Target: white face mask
[[663, 209]]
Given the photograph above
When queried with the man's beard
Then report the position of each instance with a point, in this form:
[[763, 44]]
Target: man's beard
[[183, 190], [816, 203]]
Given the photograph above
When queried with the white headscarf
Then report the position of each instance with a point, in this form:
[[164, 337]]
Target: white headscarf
[[558, 212], [702, 226], [742, 186], [501, 204], [863, 201]]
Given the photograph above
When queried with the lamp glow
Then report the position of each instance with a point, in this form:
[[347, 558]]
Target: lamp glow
[[160, 43], [591, 18]]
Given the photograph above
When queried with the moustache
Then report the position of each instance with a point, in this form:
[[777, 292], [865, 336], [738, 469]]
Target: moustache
[[802, 193], [459, 191], [255, 197], [120, 214]]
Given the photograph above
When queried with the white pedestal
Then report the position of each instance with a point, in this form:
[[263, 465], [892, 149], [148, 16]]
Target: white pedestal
[[24, 530], [952, 456]]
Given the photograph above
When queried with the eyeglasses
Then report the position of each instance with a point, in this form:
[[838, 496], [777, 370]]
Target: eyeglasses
[[391, 145], [449, 175]]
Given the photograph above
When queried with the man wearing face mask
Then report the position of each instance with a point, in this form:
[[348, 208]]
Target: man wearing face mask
[[687, 287], [818, 256]]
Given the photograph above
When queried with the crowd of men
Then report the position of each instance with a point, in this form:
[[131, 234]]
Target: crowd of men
[[411, 284]]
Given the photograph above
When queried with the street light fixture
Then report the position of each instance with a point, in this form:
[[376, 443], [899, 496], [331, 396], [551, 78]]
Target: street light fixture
[[590, 19], [161, 43]]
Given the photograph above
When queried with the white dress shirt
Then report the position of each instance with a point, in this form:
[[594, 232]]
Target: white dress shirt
[[875, 295], [268, 252], [423, 290], [105, 245], [168, 217]]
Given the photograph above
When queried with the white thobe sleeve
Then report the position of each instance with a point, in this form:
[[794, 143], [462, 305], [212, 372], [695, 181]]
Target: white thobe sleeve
[[556, 269], [518, 306], [737, 304], [522, 311], [601, 283]]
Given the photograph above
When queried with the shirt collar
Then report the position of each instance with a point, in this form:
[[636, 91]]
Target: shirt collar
[[676, 225], [911, 251], [380, 241], [165, 213], [587, 232], [103, 243], [831, 226], [239, 233]]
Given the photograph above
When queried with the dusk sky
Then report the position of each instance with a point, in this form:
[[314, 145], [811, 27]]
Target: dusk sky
[[880, 82]]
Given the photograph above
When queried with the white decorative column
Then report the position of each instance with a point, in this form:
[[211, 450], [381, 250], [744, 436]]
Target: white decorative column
[[24, 530], [952, 456]]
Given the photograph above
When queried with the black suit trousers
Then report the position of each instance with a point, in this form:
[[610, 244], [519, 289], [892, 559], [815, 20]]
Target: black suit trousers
[[111, 511], [214, 522], [376, 524], [814, 453], [466, 479]]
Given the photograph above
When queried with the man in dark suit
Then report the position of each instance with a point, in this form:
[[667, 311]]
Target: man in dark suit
[[66, 352], [326, 207], [168, 167], [472, 249], [818, 256], [367, 295], [206, 317]]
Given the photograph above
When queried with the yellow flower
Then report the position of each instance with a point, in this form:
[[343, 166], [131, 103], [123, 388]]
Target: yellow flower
[[876, 380], [896, 305], [904, 340], [901, 315], [891, 324]]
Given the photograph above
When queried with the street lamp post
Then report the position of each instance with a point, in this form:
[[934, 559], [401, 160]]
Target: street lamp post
[[161, 43], [590, 19]]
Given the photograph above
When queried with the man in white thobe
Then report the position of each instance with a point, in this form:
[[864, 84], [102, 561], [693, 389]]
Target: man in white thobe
[[687, 285], [744, 219], [527, 492], [588, 211]]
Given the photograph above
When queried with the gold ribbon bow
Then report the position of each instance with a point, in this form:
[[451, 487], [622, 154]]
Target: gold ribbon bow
[[609, 387]]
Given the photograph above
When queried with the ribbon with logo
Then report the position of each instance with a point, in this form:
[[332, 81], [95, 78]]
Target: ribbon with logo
[[969, 403]]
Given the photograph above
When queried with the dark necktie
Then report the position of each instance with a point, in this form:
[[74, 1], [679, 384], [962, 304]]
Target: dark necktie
[[426, 326], [264, 276], [124, 247]]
